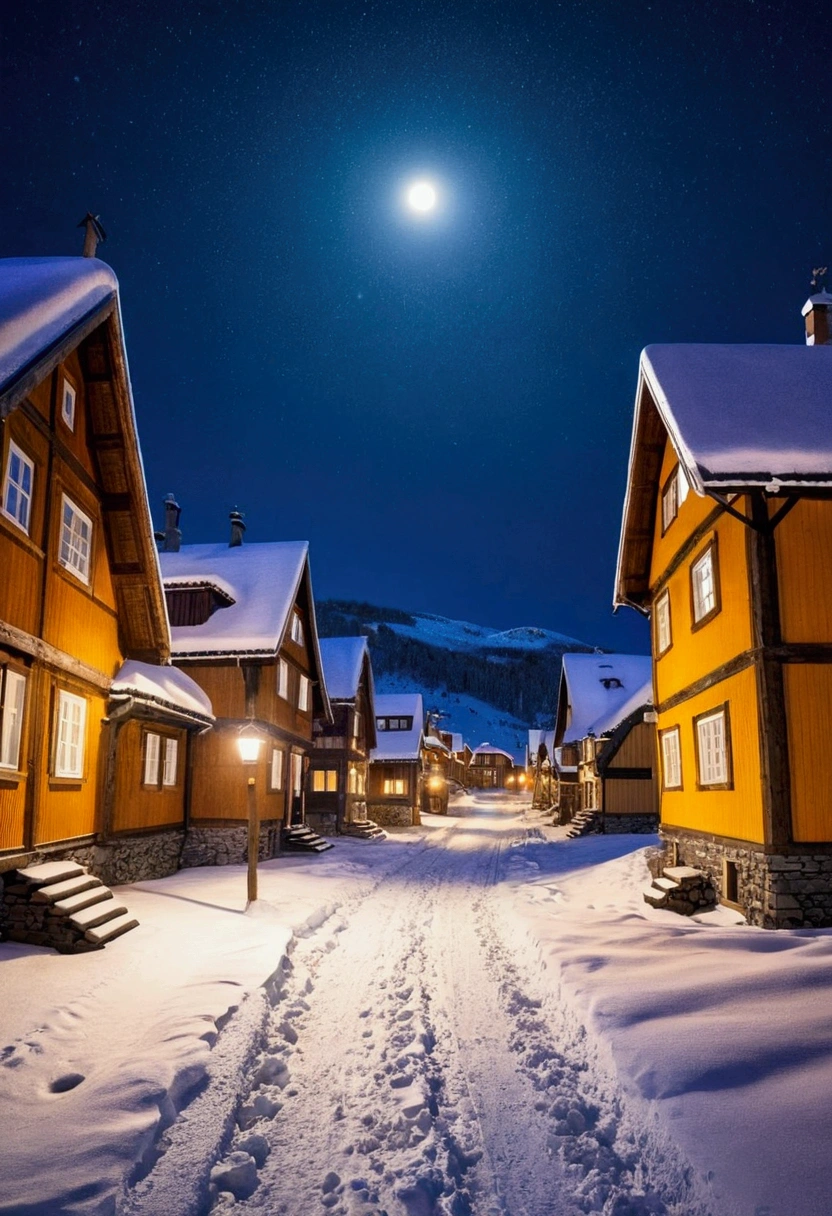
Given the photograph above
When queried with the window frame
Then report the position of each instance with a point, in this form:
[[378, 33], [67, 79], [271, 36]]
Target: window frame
[[716, 711], [68, 390], [304, 694], [282, 679], [330, 780], [171, 744], [65, 697], [666, 734], [296, 631], [663, 600], [671, 485], [6, 670], [84, 577], [151, 777], [15, 449], [276, 781], [711, 549]]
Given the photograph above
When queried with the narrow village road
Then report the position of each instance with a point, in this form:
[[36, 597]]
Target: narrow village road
[[410, 1066]]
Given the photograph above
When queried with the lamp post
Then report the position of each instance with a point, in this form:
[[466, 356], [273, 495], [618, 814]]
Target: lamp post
[[249, 744]]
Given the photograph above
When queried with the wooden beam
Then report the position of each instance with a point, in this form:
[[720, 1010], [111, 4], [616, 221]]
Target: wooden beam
[[50, 656]]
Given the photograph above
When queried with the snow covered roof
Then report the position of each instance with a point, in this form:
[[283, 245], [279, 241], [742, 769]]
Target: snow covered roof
[[399, 744], [737, 417], [487, 749], [436, 744], [598, 691], [45, 305], [821, 298], [165, 686], [343, 660]]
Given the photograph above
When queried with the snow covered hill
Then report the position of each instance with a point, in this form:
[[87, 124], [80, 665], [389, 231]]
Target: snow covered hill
[[488, 685]]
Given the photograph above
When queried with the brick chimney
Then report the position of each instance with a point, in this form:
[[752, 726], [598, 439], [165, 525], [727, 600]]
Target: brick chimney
[[93, 233], [817, 311], [237, 529]]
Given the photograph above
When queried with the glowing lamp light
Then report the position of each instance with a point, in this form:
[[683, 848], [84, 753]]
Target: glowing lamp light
[[436, 783], [249, 745], [422, 196]]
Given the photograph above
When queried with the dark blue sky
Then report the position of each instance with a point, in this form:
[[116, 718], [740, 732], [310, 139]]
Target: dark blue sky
[[442, 408]]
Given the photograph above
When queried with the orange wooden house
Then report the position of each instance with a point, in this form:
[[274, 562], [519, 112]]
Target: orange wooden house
[[243, 627], [726, 543], [80, 591]]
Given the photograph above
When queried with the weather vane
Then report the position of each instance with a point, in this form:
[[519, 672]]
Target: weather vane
[[818, 279]]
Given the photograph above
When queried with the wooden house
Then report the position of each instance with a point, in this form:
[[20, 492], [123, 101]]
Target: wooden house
[[605, 713], [81, 599], [243, 627], [336, 790], [491, 768], [397, 762], [726, 544], [439, 767]]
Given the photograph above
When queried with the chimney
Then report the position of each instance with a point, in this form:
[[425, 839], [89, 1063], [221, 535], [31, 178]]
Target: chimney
[[237, 529], [817, 311], [93, 234], [172, 536]]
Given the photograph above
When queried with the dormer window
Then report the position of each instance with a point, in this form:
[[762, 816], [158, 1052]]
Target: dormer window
[[611, 682], [194, 602], [68, 396], [297, 628], [394, 723]]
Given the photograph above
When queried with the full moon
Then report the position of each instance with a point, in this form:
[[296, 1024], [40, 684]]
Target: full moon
[[421, 196]]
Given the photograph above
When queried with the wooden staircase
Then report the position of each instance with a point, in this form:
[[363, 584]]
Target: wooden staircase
[[60, 904], [301, 839], [586, 823], [364, 829], [681, 889]]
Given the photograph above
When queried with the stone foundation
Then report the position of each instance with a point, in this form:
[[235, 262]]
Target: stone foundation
[[391, 815], [774, 890], [123, 859], [227, 845], [325, 823], [641, 825]]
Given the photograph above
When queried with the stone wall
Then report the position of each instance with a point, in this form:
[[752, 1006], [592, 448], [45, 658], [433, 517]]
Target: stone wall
[[774, 890], [123, 859], [325, 823], [227, 845], [391, 815], [642, 825]]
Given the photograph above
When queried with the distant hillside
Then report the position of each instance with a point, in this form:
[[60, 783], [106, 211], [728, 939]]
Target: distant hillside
[[489, 685]]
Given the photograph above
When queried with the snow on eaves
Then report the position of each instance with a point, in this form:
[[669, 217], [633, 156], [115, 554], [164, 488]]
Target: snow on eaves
[[166, 686], [745, 415], [593, 707], [343, 659], [262, 579], [41, 301], [399, 744], [487, 749]]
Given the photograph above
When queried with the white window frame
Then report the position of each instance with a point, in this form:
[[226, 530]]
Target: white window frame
[[703, 576], [712, 749], [670, 502], [71, 719], [303, 694], [68, 399], [297, 773], [276, 770], [664, 634], [12, 707], [671, 758], [297, 628], [283, 679], [20, 517], [356, 724], [76, 560], [170, 768], [152, 758]]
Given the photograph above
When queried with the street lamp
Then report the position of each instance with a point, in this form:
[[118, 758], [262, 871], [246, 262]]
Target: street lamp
[[249, 744]]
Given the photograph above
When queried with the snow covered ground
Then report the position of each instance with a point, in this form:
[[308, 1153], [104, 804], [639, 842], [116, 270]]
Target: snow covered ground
[[477, 1016]]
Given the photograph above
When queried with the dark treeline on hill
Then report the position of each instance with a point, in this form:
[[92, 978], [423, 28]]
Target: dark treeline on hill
[[520, 682]]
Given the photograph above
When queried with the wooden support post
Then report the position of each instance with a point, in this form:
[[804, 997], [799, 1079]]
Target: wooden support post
[[253, 841]]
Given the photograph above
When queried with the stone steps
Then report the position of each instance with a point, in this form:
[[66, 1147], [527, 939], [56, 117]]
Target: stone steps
[[586, 823], [59, 904], [681, 889], [302, 839], [364, 829]]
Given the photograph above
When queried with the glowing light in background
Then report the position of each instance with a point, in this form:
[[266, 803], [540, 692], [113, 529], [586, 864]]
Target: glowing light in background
[[421, 196]]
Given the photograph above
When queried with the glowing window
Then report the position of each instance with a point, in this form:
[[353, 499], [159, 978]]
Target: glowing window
[[303, 694], [283, 679], [325, 780], [276, 770]]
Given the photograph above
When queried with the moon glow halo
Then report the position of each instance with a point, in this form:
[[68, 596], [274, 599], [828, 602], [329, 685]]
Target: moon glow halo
[[421, 196]]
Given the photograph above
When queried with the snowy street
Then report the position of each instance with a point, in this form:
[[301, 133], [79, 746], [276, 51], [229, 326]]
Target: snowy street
[[474, 1016]]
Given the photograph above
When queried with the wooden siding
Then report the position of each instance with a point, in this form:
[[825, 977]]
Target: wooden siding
[[65, 808], [737, 812], [633, 797], [136, 805], [638, 749], [692, 514], [809, 714], [804, 565], [219, 779]]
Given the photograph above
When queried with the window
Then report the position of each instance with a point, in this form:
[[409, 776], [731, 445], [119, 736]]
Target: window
[[17, 487], [283, 679], [68, 405], [76, 535], [276, 770], [297, 772], [730, 882], [171, 762], [395, 785], [671, 759], [712, 749], [152, 744], [670, 501], [297, 628], [325, 780], [12, 697], [303, 694], [394, 723], [663, 635], [703, 581], [69, 743], [353, 781], [356, 725]]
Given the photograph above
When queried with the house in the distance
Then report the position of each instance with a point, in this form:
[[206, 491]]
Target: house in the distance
[[605, 712], [243, 627], [397, 762], [491, 768], [336, 789], [726, 542]]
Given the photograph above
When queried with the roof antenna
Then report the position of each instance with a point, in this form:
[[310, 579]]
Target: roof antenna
[[94, 233]]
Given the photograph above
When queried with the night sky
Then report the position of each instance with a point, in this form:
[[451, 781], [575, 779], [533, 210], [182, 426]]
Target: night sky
[[442, 406]]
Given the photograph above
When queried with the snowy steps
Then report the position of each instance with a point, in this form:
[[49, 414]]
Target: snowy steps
[[681, 889], [364, 829], [586, 823], [302, 839], [60, 904]]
